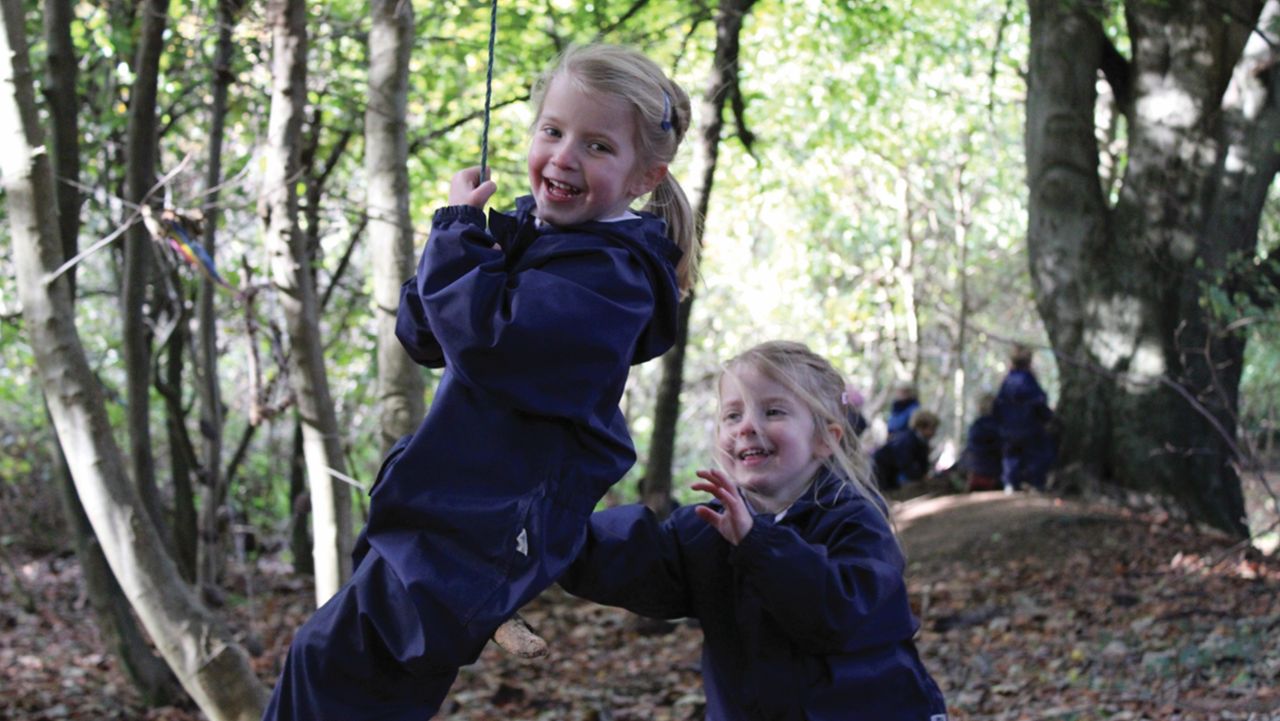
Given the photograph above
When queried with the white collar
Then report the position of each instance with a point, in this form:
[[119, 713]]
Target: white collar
[[624, 215]]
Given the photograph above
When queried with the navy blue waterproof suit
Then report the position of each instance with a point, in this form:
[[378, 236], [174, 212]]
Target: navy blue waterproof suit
[[487, 503], [900, 412], [902, 459], [806, 619], [982, 448], [1028, 451]]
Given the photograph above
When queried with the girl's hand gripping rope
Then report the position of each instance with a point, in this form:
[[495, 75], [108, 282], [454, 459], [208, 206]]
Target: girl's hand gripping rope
[[466, 189]]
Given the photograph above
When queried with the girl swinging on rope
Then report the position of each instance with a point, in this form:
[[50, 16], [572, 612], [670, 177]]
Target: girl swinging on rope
[[536, 322]]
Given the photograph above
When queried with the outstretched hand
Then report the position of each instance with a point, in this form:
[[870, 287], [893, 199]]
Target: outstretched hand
[[735, 521], [466, 189]]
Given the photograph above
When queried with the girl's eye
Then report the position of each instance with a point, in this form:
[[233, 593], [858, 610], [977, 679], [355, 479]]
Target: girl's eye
[[600, 148], [731, 417], [551, 132], [775, 412]]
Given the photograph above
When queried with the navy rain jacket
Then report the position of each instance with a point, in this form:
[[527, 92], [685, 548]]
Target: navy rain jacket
[[1022, 408], [900, 415], [487, 503], [982, 449], [536, 340], [807, 618], [903, 458]]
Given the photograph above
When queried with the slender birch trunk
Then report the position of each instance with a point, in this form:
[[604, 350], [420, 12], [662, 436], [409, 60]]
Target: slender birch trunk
[[290, 262], [211, 667]]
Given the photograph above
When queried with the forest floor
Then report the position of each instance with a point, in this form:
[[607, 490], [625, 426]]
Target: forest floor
[[1031, 608]]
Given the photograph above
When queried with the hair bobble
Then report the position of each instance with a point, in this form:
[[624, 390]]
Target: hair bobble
[[666, 111], [852, 397]]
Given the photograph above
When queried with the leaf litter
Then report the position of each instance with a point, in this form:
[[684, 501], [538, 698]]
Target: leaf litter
[[1050, 611]]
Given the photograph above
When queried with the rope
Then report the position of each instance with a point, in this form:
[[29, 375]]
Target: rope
[[488, 91]]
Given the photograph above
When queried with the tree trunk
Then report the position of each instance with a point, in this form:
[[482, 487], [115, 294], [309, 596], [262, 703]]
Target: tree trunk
[[400, 380], [908, 357], [64, 111], [961, 206], [299, 506], [115, 620], [120, 633], [1149, 381], [212, 667], [182, 459], [138, 267], [655, 485], [291, 274], [210, 549]]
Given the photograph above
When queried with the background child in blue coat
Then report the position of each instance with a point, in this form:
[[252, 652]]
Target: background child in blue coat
[[906, 401], [904, 458], [1022, 409], [792, 570], [982, 461], [536, 322]]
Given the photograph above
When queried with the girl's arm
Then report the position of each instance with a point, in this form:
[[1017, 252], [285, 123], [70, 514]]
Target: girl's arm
[[632, 561], [839, 593], [413, 329]]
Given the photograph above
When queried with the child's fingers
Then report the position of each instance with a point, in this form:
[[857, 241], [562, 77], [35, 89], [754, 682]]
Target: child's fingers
[[719, 492], [712, 475], [735, 521], [725, 490], [466, 188], [471, 176], [709, 515], [733, 524], [483, 192]]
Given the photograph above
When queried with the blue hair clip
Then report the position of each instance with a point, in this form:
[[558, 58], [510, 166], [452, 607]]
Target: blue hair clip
[[666, 111]]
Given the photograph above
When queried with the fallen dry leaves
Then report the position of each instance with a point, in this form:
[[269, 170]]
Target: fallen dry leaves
[[1077, 615], [1101, 615]]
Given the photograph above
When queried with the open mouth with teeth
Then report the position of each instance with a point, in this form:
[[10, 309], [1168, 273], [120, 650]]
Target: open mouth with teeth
[[753, 455], [557, 190]]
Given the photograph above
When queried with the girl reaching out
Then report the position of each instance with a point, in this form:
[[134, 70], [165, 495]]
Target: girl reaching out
[[792, 570], [536, 322]]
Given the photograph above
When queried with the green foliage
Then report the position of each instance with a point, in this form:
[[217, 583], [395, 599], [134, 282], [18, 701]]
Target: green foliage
[[904, 116], [873, 123]]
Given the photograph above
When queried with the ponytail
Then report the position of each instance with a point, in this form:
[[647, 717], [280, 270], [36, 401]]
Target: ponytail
[[669, 202]]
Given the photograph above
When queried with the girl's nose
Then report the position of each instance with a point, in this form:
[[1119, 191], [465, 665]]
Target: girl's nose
[[564, 157]]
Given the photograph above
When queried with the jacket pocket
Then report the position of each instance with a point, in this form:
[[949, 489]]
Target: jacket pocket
[[476, 542]]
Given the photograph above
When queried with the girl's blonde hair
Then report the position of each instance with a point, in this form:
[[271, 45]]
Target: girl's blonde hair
[[820, 388], [662, 119]]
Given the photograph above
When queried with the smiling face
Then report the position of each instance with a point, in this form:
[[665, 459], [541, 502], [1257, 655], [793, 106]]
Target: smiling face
[[582, 159], [767, 438]]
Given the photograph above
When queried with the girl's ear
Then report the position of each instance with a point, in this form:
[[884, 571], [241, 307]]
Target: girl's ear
[[646, 181], [821, 449]]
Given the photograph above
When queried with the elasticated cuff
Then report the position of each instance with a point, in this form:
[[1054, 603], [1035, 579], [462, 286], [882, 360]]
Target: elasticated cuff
[[464, 213]]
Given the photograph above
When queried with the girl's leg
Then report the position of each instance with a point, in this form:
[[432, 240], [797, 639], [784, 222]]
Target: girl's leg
[[363, 656]]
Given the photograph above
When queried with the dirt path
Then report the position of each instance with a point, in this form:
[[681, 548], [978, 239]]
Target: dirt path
[[950, 526]]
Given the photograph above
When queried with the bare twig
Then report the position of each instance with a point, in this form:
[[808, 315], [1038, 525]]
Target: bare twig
[[128, 223]]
